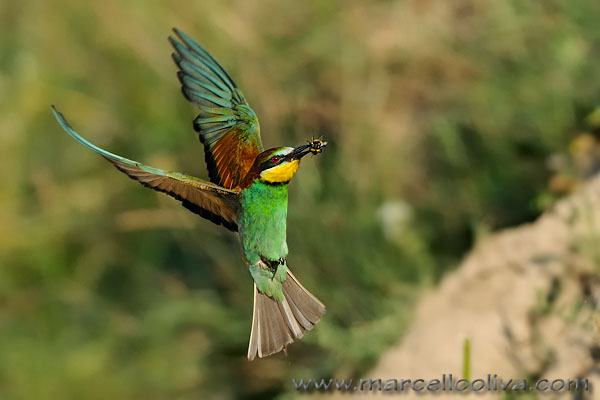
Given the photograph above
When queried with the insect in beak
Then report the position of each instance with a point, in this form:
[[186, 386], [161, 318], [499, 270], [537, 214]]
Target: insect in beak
[[316, 145]]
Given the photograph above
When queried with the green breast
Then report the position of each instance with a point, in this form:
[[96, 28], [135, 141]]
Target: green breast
[[262, 221]]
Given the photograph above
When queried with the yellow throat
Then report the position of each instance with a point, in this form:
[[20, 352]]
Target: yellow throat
[[281, 173]]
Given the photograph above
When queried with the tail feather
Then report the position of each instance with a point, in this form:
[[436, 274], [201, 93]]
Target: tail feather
[[275, 324], [307, 309]]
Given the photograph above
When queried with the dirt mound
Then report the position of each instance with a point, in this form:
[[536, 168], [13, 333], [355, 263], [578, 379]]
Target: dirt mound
[[526, 298]]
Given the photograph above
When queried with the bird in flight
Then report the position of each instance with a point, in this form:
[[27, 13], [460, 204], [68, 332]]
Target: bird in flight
[[247, 193]]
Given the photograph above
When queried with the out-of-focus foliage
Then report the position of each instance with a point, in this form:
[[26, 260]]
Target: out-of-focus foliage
[[441, 117]]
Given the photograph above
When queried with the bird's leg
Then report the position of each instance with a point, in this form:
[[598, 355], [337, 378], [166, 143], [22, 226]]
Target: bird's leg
[[281, 272], [263, 275]]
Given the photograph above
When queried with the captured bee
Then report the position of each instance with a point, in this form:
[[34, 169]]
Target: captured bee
[[316, 145]]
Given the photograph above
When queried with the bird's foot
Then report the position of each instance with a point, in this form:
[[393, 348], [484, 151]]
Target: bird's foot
[[265, 283], [281, 272]]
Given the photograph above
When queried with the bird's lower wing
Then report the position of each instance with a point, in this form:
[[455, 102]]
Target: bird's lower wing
[[210, 201]]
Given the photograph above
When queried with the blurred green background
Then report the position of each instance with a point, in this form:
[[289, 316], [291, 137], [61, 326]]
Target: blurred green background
[[446, 121]]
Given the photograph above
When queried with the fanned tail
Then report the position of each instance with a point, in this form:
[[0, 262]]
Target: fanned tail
[[275, 324]]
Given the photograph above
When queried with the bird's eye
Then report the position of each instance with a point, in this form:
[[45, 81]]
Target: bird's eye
[[275, 159]]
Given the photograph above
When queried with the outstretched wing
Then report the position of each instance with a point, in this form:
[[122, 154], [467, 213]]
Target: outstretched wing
[[210, 201], [227, 126]]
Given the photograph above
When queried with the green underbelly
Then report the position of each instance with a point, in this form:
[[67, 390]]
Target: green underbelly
[[262, 222]]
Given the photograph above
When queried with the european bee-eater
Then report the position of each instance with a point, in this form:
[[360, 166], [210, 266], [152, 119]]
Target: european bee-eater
[[247, 193]]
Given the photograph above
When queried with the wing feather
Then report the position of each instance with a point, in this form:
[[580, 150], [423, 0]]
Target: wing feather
[[210, 201], [227, 126]]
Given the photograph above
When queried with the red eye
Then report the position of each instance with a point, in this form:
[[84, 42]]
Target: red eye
[[275, 159]]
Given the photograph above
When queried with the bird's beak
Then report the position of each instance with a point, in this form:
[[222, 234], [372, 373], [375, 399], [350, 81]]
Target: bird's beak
[[299, 152]]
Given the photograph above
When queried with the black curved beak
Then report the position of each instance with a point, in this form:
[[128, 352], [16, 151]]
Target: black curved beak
[[298, 152]]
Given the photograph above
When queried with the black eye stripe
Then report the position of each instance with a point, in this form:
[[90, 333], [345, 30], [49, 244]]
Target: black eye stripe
[[270, 162]]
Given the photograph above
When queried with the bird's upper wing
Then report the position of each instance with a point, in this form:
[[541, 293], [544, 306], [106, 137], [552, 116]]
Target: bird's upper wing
[[227, 126], [210, 201]]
